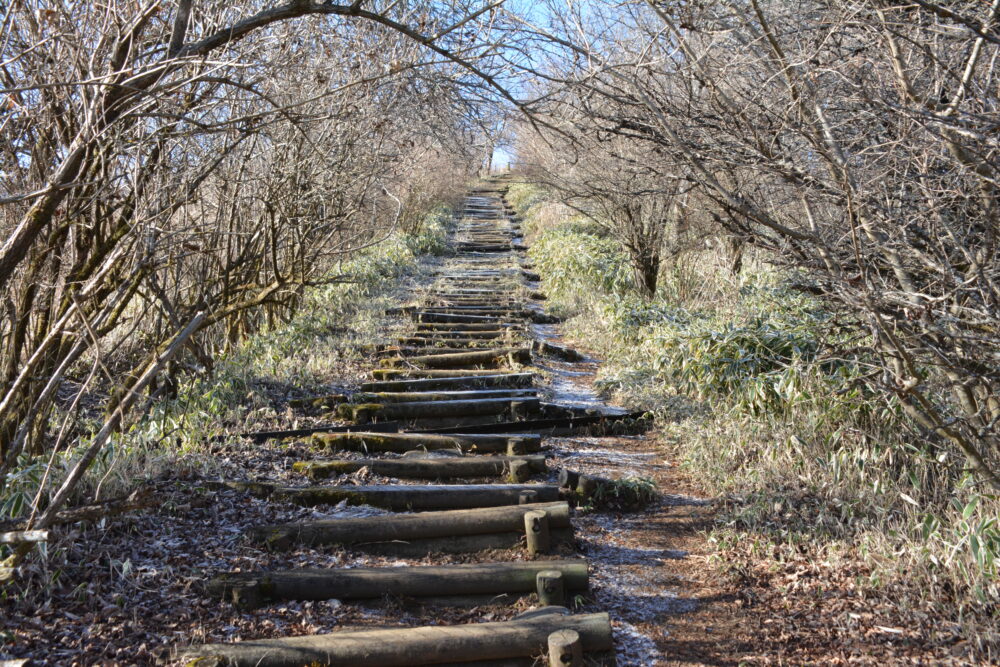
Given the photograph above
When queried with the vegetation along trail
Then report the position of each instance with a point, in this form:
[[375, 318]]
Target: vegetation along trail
[[477, 489], [500, 332], [459, 408]]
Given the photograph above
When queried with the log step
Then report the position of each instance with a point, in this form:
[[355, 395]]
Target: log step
[[458, 382], [408, 647], [476, 310], [404, 497], [633, 422], [402, 442], [251, 589], [471, 247], [464, 326], [497, 299], [494, 322], [460, 338], [507, 355], [363, 413], [447, 334], [457, 395], [262, 436], [436, 348], [433, 468], [503, 297], [471, 292], [427, 532], [417, 373]]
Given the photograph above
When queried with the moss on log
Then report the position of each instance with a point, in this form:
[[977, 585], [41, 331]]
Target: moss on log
[[365, 412], [403, 442]]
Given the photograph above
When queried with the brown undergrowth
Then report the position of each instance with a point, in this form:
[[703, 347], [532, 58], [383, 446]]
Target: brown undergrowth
[[761, 602], [120, 590], [840, 533], [715, 595]]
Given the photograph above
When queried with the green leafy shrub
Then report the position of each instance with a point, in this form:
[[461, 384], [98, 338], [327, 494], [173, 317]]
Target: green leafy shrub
[[578, 266], [627, 493], [302, 353], [808, 458], [524, 196], [755, 364]]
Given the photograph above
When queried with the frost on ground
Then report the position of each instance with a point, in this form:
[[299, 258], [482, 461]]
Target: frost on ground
[[633, 569], [126, 592], [625, 578], [632, 646]]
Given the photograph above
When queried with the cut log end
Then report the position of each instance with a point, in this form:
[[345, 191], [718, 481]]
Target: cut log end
[[520, 471], [565, 649], [536, 529], [551, 588]]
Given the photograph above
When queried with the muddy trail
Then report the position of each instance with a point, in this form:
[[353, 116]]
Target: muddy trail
[[467, 508]]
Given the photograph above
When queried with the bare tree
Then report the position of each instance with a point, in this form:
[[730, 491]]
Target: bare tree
[[623, 186], [213, 159], [855, 141]]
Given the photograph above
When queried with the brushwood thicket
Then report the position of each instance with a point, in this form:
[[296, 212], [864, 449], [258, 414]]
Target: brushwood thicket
[[760, 397]]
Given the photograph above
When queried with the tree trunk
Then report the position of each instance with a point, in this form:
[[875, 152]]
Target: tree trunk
[[646, 273], [736, 246]]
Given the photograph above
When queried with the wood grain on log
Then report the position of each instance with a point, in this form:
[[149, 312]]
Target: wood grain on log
[[551, 587], [405, 527], [459, 382], [441, 468], [402, 497], [456, 395], [399, 373], [363, 412], [402, 442], [408, 647], [536, 528], [499, 357], [565, 649], [364, 583]]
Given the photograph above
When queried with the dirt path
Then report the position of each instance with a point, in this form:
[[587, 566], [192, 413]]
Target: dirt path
[[479, 382]]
